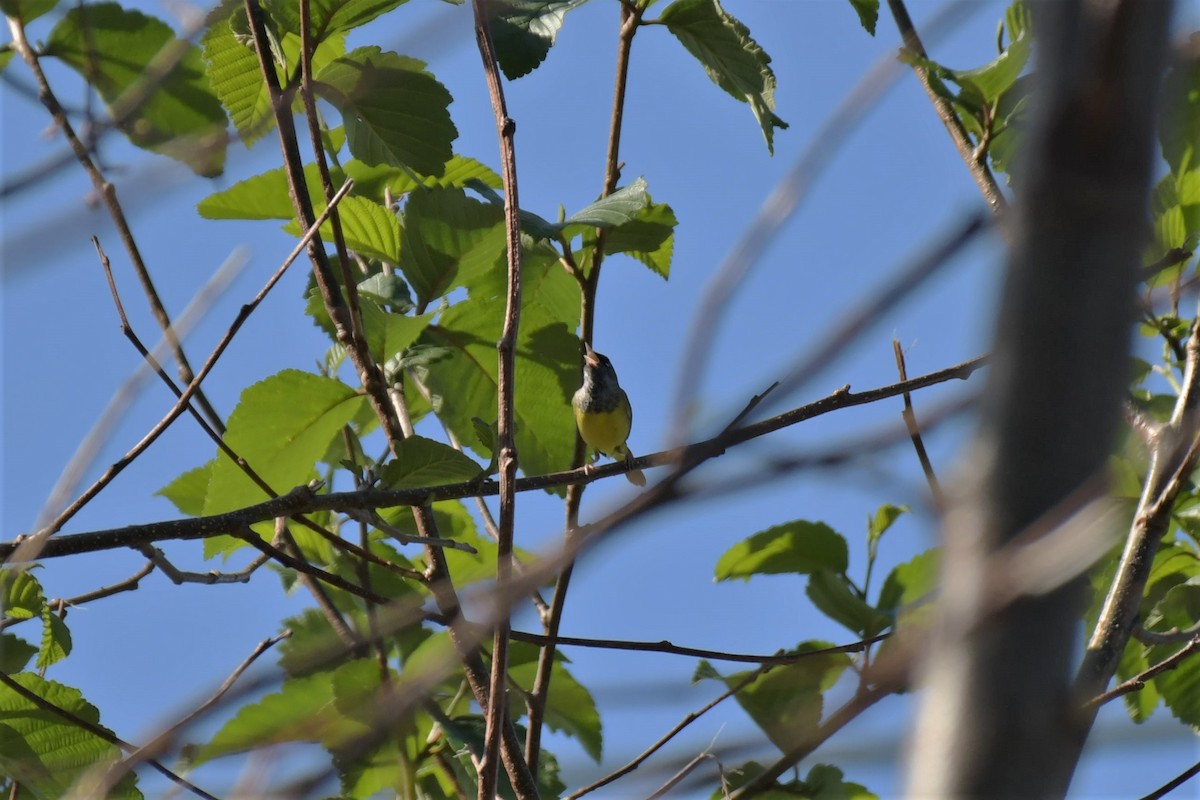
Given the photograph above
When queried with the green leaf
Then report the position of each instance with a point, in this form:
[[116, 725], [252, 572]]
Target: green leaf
[[465, 385], [369, 229], [885, 515], [649, 237], [15, 653], [394, 111], [827, 782], [26, 10], [1179, 687], [188, 491], [786, 703], [868, 13], [998, 76], [730, 57], [910, 582], [372, 180], [1179, 118], [387, 289], [799, 547], [570, 707], [389, 334], [266, 196], [281, 426], [121, 53], [423, 462], [1179, 607], [6, 55], [21, 595], [236, 76], [303, 710], [531, 224], [834, 597], [442, 228], [56, 639], [618, 208], [45, 752], [327, 17], [524, 31], [1139, 704]]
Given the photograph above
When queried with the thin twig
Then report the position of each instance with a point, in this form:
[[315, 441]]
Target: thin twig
[[1138, 682], [164, 739], [914, 432], [1174, 783], [639, 759], [122, 399], [631, 15], [945, 111], [497, 713]]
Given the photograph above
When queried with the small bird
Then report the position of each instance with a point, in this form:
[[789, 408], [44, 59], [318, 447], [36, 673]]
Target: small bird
[[602, 411]]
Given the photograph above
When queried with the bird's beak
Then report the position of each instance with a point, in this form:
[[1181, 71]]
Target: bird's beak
[[589, 355]]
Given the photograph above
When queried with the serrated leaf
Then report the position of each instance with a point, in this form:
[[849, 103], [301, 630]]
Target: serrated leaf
[[524, 31], [393, 110], [281, 426], [26, 10], [303, 710], [118, 51], [799, 547], [389, 334], [786, 703], [21, 594], [442, 227], [369, 229], [730, 57], [1179, 687], [868, 13], [833, 596], [372, 180], [15, 653], [421, 462], [236, 77], [56, 639], [485, 433], [649, 237], [47, 753]]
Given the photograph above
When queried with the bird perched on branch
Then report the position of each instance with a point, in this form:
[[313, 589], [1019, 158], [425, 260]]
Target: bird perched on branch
[[603, 413]]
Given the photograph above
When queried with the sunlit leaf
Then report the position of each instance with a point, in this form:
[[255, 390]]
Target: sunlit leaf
[[424, 462], [799, 547], [730, 57], [45, 752]]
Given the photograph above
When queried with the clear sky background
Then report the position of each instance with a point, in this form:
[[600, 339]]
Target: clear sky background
[[894, 186]]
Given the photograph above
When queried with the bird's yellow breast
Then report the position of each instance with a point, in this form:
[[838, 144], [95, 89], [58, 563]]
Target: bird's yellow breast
[[605, 431]]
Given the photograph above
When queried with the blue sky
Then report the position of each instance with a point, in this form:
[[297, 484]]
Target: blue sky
[[894, 186]]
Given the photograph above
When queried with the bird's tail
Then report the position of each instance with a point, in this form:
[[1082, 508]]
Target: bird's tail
[[634, 476]]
